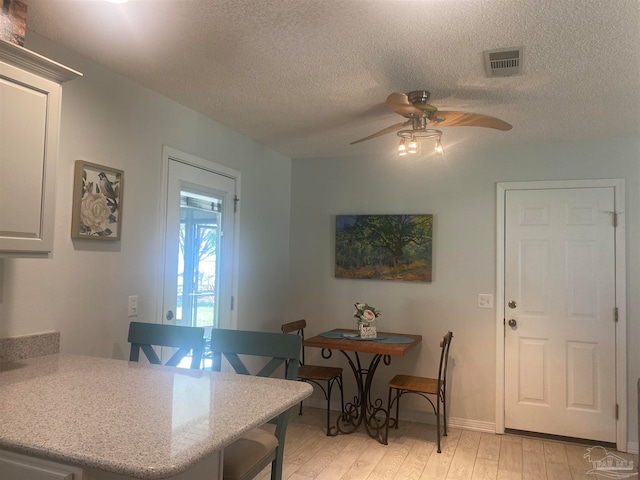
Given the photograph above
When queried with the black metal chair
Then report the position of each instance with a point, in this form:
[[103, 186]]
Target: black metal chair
[[253, 451], [316, 374], [404, 384], [143, 336]]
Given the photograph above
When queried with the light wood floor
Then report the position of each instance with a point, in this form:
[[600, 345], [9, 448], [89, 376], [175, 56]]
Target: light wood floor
[[411, 455]]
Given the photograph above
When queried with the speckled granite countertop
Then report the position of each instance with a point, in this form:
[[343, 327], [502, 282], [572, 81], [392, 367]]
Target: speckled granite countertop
[[143, 421]]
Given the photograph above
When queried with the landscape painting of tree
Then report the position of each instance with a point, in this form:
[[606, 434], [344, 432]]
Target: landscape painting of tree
[[384, 247]]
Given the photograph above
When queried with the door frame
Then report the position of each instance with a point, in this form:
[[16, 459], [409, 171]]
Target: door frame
[[621, 293], [169, 153]]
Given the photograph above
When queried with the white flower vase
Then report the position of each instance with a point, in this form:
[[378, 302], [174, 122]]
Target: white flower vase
[[367, 330]]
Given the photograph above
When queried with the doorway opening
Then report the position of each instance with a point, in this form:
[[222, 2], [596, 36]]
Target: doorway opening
[[200, 239], [199, 281]]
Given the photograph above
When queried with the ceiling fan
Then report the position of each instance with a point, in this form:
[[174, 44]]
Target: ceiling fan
[[422, 116]]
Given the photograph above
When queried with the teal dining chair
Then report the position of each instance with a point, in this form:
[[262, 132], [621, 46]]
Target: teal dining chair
[[144, 336], [401, 385], [253, 451]]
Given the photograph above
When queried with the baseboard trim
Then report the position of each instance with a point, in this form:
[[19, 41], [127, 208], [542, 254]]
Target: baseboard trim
[[430, 419], [418, 417], [488, 427]]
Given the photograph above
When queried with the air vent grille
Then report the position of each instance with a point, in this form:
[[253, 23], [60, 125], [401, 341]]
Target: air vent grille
[[503, 62]]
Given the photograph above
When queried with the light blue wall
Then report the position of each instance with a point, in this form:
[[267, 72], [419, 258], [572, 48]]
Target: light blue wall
[[82, 290], [460, 191]]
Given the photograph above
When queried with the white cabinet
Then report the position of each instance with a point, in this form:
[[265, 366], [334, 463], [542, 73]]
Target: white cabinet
[[14, 466], [30, 100], [20, 467]]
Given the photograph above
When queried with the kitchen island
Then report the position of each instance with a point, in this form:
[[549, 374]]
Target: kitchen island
[[105, 419]]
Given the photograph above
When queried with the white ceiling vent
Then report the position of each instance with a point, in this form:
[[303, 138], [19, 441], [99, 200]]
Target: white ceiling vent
[[503, 62]]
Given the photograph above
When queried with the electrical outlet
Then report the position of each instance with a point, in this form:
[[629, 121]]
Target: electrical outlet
[[132, 309], [485, 300]]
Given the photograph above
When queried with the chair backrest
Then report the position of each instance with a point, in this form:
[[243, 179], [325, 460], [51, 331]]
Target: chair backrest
[[143, 336], [280, 350], [445, 343], [298, 326], [277, 347]]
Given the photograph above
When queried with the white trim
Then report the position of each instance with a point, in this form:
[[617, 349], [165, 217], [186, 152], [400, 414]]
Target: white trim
[[169, 153], [477, 425], [621, 293], [500, 200], [409, 415]]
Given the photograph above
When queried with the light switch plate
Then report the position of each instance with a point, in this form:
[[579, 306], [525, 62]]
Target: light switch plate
[[132, 307], [485, 300]]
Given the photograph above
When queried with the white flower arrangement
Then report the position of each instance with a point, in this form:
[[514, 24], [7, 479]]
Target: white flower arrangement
[[366, 312]]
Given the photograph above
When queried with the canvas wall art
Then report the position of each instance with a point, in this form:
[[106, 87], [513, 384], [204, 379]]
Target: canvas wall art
[[97, 202], [384, 247]]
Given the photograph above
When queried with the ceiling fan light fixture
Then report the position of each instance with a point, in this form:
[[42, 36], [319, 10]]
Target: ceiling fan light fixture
[[409, 140], [412, 146], [402, 147]]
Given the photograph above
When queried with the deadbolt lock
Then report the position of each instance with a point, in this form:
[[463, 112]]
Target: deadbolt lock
[[512, 304]]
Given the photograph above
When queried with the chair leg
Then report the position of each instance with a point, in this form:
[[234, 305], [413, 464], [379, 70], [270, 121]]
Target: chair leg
[[444, 411], [329, 388], [438, 423], [397, 424], [300, 412], [276, 465], [386, 426], [341, 394]]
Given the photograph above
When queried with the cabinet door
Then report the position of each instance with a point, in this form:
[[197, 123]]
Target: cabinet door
[[29, 125], [20, 467]]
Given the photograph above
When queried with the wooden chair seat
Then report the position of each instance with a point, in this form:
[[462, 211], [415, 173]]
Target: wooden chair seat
[[324, 377], [409, 384], [317, 372], [415, 384]]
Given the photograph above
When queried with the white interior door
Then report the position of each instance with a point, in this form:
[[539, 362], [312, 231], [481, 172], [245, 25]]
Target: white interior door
[[199, 274], [559, 292]]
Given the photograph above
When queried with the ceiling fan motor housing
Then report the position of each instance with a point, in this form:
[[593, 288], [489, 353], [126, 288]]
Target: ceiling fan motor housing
[[419, 123], [418, 97], [419, 100]]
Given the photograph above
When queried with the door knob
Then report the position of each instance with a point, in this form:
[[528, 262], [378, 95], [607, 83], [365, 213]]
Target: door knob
[[512, 322], [169, 315]]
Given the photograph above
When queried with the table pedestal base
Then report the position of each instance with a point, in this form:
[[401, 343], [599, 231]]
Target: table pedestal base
[[363, 409]]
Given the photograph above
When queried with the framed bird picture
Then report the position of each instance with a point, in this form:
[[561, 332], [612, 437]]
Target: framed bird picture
[[97, 202]]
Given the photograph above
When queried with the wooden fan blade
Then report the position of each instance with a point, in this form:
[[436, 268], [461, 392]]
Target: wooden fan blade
[[462, 119], [392, 128], [399, 103]]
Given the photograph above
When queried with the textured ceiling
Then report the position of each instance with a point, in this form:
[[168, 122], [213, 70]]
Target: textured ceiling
[[307, 77]]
